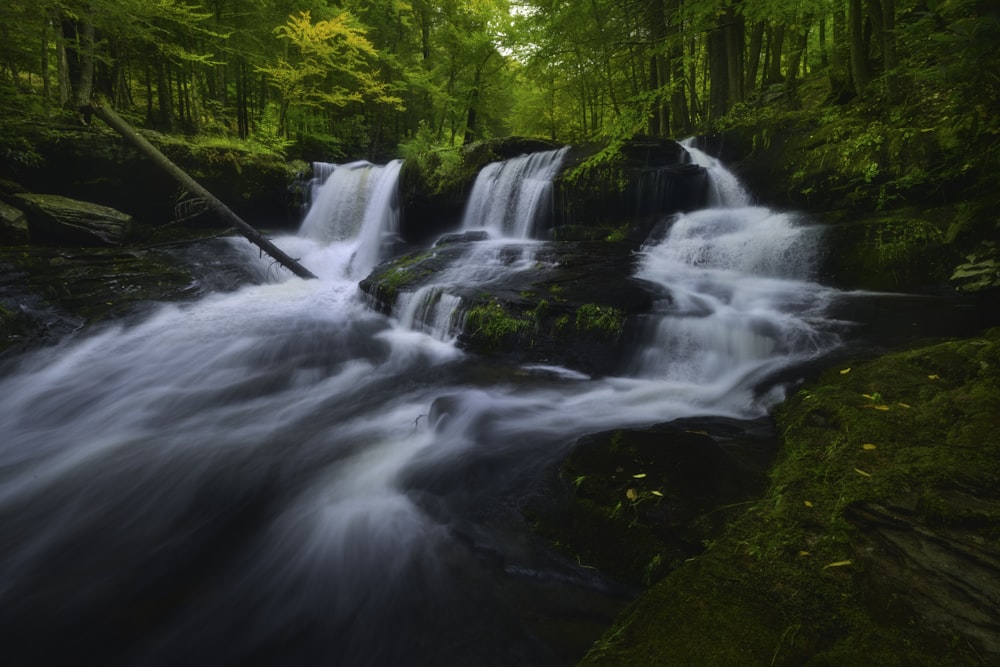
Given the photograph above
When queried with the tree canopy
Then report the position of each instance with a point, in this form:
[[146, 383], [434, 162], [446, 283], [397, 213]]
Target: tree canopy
[[355, 77]]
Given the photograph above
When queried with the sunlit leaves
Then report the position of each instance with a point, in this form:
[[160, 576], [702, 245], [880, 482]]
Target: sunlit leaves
[[328, 63]]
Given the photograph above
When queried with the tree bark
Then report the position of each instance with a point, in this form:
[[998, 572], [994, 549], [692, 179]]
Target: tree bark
[[860, 69], [116, 122]]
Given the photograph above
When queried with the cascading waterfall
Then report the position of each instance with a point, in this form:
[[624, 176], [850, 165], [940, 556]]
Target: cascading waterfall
[[280, 476], [513, 197], [509, 199], [741, 304], [357, 204], [725, 190]]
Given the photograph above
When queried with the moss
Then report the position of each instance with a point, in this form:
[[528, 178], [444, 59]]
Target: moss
[[787, 584], [601, 321], [489, 324]]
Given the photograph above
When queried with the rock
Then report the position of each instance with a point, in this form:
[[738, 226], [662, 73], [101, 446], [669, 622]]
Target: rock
[[575, 308], [58, 220], [637, 503], [875, 542], [950, 577], [13, 225], [463, 237]]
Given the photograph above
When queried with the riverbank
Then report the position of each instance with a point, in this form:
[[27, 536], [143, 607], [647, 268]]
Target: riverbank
[[877, 540]]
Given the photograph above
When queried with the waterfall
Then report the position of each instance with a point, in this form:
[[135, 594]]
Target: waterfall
[[279, 475], [514, 197], [741, 302], [726, 189], [355, 203]]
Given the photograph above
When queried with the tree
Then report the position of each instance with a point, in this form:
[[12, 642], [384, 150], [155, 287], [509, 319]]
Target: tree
[[327, 65]]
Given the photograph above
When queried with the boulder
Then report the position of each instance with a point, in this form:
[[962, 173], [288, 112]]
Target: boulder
[[58, 220], [13, 225], [576, 308]]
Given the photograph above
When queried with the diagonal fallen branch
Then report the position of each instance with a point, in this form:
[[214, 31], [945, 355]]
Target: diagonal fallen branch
[[130, 134]]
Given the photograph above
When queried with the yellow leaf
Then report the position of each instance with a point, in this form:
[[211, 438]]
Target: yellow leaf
[[839, 563], [845, 371], [881, 407], [868, 396], [869, 446], [639, 476], [862, 472], [934, 376], [904, 405], [657, 493], [807, 503], [803, 553], [632, 495]]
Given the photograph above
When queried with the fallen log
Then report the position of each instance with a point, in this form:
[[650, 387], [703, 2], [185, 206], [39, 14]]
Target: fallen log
[[130, 134]]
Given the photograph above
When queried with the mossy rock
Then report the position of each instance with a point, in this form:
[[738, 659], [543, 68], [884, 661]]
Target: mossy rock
[[876, 543], [637, 503]]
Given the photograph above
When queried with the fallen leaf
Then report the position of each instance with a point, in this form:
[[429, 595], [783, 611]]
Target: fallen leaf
[[639, 476], [869, 446], [904, 405], [657, 493], [803, 553], [868, 396], [934, 376], [881, 407], [632, 495], [845, 371], [839, 563], [862, 472], [807, 503]]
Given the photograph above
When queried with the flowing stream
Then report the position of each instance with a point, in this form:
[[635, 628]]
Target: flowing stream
[[280, 476]]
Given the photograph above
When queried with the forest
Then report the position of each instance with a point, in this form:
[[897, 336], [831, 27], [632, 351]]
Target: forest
[[642, 332], [375, 78]]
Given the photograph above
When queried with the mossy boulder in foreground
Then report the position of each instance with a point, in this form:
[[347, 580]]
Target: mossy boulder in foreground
[[877, 542]]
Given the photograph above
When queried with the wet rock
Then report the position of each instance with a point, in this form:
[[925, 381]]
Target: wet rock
[[637, 503], [949, 576], [463, 237], [13, 225], [875, 541], [58, 220], [576, 307]]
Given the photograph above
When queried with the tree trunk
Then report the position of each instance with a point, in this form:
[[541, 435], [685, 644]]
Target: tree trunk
[[890, 56], [860, 70], [115, 121], [680, 118], [470, 119], [718, 63], [753, 57], [841, 84], [735, 41], [85, 84], [659, 121], [773, 74]]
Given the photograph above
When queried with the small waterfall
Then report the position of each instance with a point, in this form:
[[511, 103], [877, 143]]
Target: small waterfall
[[726, 189], [514, 197], [741, 301], [355, 202], [438, 309], [512, 200]]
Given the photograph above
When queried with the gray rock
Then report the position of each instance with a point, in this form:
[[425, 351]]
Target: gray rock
[[58, 220], [13, 225]]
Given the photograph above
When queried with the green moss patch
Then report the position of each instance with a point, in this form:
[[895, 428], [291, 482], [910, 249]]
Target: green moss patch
[[874, 541]]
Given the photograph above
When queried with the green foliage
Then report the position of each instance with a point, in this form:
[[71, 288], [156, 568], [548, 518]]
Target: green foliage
[[602, 321], [789, 582], [491, 323]]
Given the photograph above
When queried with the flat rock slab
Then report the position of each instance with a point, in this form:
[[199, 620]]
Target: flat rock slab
[[58, 220], [13, 225]]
